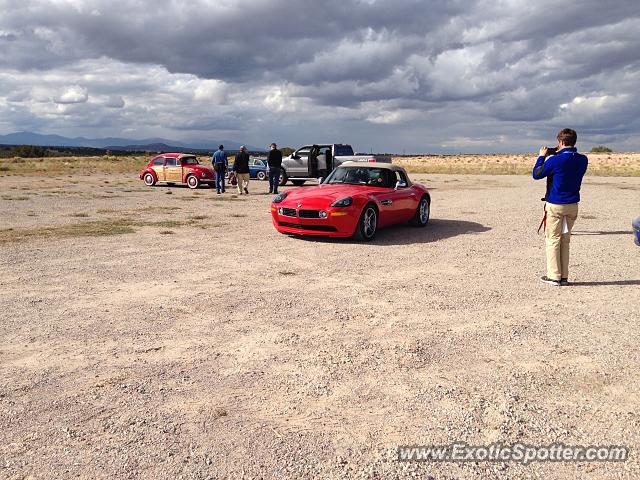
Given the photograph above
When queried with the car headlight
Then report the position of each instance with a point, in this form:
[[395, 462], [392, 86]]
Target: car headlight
[[279, 198], [343, 202]]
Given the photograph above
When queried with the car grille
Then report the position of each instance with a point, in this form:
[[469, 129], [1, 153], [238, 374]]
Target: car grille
[[309, 213], [289, 212], [318, 228]]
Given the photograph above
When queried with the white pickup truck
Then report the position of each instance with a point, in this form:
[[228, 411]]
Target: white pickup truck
[[311, 162]]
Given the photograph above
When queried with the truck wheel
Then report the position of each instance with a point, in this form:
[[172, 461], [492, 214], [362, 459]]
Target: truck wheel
[[367, 225], [421, 217], [283, 178], [298, 183], [149, 180], [193, 182], [261, 175]]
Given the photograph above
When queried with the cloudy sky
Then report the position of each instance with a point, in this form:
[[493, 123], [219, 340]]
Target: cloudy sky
[[384, 75]]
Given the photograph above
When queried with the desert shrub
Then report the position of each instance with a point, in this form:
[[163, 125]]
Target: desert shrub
[[601, 149], [28, 151]]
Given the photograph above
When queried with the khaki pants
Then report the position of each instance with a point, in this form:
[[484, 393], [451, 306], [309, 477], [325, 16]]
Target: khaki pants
[[558, 242], [243, 181]]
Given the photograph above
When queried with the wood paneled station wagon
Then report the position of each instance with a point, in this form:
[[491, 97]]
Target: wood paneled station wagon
[[176, 168]]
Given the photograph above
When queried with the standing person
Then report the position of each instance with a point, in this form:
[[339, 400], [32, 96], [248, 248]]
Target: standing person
[[274, 161], [220, 165], [241, 169], [566, 167]]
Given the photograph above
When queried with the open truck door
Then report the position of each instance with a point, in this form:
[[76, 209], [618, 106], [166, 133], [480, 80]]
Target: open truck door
[[312, 164]]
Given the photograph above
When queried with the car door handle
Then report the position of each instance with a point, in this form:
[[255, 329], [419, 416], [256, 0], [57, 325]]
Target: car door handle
[[386, 202]]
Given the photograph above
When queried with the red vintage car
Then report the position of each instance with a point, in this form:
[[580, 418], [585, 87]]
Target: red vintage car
[[176, 168], [356, 199]]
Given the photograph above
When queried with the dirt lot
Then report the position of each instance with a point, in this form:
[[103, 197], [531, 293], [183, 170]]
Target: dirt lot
[[164, 333]]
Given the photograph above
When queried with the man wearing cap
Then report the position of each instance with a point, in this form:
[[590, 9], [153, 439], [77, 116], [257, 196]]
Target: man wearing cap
[[274, 161], [241, 169]]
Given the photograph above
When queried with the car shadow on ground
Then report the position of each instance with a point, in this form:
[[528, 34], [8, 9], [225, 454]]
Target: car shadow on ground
[[437, 229], [612, 232], [605, 282], [204, 186]]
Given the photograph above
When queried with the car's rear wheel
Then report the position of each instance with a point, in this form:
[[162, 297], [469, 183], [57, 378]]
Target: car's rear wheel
[[298, 183], [368, 224], [193, 182], [149, 179], [421, 217], [261, 176], [283, 178]]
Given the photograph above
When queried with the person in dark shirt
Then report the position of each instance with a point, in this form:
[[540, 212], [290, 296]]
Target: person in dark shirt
[[241, 169], [220, 165], [274, 161], [566, 168]]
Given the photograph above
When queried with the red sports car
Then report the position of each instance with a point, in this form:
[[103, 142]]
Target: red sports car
[[176, 168], [354, 200]]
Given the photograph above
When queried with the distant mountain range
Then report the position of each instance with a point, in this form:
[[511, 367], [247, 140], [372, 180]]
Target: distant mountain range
[[115, 143]]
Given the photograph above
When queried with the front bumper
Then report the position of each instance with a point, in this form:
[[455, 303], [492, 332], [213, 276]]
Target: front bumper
[[340, 222]]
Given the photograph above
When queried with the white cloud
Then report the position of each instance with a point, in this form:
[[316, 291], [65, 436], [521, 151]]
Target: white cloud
[[72, 94]]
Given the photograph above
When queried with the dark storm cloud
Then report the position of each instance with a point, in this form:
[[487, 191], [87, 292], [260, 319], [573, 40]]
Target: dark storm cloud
[[238, 40], [502, 64]]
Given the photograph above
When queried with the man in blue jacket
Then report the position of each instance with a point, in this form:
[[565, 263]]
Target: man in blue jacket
[[220, 165], [565, 168]]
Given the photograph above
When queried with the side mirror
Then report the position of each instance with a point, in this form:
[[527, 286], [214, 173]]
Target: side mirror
[[400, 184]]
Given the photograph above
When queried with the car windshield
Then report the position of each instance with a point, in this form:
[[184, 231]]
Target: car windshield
[[375, 177], [189, 161], [342, 150]]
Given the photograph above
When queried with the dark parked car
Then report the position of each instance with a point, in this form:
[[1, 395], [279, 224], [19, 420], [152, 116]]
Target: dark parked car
[[258, 168]]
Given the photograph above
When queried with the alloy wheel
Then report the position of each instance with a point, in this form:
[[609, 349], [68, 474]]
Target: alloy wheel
[[370, 223]]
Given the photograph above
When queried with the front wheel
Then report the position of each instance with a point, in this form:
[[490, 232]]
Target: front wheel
[[193, 182], [283, 178], [367, 225], [261, 176], [149, 179], [421, 217]]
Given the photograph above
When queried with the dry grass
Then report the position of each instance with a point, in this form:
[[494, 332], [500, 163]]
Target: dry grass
[[600, 164], [59, 165], [92, 228], [12, 198], [96, 228]]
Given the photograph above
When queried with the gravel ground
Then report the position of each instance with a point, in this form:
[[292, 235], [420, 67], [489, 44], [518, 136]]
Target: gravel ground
[[206, 345]]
